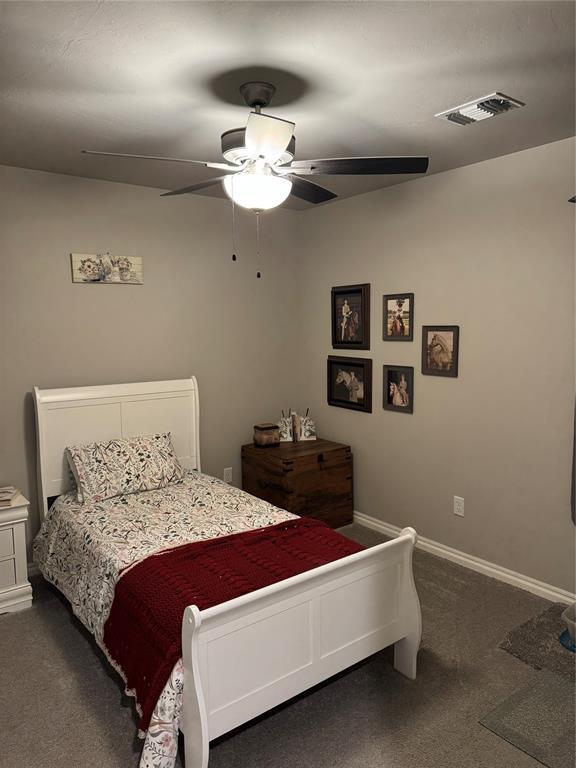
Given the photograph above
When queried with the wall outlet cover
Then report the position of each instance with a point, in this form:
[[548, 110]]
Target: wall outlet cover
[[459, 506], [227, 476]]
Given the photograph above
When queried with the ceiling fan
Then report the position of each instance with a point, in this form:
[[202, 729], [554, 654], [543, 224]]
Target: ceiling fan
[[261, 171]]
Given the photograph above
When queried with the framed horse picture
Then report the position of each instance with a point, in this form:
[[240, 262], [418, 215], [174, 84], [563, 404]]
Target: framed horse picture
[[440, 350], [398, 388], [398, 317], [350, 383], [351, 317]]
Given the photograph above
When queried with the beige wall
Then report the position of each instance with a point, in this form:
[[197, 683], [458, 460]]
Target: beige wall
[[490, 248], [197, 312]]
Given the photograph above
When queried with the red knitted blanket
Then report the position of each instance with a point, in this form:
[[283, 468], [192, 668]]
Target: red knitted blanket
[[143, 631]]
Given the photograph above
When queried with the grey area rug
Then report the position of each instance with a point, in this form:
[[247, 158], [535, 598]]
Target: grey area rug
[[536, 643], [539, 720]]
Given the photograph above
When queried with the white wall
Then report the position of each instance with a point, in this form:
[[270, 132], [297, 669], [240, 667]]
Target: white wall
[[488, 247], [197, 312]]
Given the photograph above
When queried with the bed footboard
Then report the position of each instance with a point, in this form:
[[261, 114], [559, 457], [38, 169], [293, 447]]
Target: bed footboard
[[245, 656]]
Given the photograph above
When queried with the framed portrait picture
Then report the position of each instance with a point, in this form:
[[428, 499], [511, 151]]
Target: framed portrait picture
[[350, 383], [398, 386], [351, 317], [398, 317], [440, 350]]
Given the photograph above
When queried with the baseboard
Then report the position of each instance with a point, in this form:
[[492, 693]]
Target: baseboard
[[540, 588], [555, 594], [33, 570], [16, 599]]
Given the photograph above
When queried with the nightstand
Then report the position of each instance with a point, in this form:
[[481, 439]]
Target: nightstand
[[15, 589]]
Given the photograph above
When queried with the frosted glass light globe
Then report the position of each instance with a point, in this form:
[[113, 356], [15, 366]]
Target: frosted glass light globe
[[257, 191]]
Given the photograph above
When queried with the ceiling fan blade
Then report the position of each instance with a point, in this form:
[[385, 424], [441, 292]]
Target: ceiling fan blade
[[267, 137], [309, 190], [194, 187], [361, 166], [219, 166]]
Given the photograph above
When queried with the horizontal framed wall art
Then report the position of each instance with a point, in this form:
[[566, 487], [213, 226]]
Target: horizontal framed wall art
[[106, 269], [350, 383], [398, 388], [350, 313], [440, 344], [398, 317]]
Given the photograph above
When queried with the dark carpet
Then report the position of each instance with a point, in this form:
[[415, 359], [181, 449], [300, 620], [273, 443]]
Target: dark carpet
[[539, 719], [536, 642], [61, 705]]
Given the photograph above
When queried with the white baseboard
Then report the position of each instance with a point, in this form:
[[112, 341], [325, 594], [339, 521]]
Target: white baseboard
[[555, 594], [540, 588], [33, 570], [16, 599]]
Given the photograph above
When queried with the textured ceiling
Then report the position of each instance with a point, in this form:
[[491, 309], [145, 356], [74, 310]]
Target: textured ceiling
[[358, 78]]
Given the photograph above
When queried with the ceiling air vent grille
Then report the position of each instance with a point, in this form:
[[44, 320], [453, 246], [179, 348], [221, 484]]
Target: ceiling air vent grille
[[480, 109]]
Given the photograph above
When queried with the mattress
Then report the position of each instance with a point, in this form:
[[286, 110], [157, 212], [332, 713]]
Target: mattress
[[83, 549]]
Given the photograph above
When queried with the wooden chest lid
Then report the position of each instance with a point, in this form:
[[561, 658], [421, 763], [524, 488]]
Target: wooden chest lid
[[294, 453]]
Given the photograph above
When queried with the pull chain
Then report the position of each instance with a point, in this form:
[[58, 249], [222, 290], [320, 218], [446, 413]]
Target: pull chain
[[258, 273], [233, 224]]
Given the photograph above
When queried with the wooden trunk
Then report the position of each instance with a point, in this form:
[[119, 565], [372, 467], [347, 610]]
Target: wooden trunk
[[311, 479]]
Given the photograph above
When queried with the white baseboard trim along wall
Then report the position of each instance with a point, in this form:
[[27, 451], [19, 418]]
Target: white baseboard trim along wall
[[555, 594], [549, 592]]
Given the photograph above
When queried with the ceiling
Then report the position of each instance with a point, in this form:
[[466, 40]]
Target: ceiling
[[359, 78]]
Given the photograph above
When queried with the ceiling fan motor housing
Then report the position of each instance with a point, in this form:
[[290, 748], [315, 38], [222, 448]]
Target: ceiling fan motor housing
[[234, 149], [257, 94]]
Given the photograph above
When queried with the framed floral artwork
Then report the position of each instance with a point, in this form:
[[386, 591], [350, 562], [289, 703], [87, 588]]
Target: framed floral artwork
[[106, 268]]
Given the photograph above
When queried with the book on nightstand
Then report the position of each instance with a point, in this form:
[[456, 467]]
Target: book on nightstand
[[7, 495]]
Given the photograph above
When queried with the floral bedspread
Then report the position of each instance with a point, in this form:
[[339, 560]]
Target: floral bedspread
[[82, 550]]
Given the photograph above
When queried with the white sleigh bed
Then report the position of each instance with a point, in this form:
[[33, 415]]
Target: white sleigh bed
[[245, 656]]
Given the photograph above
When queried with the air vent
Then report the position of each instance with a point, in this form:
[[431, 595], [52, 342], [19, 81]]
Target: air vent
[[480, 109]]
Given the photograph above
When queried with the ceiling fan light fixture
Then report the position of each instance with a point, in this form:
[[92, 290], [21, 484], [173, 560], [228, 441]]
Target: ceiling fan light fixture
[[234, 148], [260, 158], [257, 190]]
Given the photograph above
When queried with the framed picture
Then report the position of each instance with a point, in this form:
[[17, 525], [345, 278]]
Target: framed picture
[[398, 317], [350, 383], [398, 386], [351, 317], [440, 350], [105, 268]]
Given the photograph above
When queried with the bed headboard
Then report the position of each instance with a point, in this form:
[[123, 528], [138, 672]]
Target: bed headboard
[[78, 415]]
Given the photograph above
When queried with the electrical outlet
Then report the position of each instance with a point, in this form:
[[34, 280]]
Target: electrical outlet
[[459, 506], [228, 476]]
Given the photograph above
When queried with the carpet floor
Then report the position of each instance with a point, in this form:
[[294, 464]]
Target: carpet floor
[[539, 719], [536, 643], [61, 705]]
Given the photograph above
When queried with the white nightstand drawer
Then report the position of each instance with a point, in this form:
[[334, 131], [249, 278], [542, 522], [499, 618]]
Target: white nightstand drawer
[[6, 542], [15, 589], [7, 574]]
